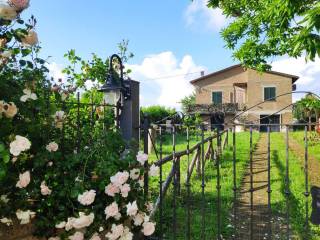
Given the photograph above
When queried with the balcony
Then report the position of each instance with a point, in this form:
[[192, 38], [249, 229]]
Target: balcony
[[207, 109]]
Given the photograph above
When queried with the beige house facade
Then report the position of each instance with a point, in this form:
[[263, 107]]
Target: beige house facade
[[235, 90]]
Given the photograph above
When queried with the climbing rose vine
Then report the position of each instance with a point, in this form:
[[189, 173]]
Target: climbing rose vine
[[66, 178]]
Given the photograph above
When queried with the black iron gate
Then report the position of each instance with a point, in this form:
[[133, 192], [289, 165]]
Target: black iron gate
[[234, 184]]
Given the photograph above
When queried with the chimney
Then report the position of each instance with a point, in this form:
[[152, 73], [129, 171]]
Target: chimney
[[202, 73]]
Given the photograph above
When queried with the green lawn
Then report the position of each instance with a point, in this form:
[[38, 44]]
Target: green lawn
[[196, 200], [296, 201], [314, 143]]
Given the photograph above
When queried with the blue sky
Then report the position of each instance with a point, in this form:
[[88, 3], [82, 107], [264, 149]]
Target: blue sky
[[168, 38]]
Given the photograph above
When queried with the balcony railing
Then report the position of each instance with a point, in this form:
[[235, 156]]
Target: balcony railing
[[230, 108]]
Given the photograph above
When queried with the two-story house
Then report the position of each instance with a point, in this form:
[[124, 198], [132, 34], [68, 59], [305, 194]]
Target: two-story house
[[221, 95]]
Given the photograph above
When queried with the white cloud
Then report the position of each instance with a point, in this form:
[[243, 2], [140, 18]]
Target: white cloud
[[55, 71], [165, 80], [198, 15], [309, 73]]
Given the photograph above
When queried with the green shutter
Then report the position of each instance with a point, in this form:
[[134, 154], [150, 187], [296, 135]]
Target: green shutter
[[217, 97], [269, 93]]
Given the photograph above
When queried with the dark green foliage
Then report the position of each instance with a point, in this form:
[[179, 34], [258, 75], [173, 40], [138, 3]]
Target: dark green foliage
[[261, 29]]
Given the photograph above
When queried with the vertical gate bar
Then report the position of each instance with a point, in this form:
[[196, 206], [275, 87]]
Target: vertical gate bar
[[218, 186], [251, 185], [269, 182], [78, 122], [306, 179], [188, 186], [174, 221], [287, 191], [160, 185], [145, 150], [234, 183], [251, 170], [202, 184]]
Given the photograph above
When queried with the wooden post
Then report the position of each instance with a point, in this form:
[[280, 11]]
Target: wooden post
[[178, 175]]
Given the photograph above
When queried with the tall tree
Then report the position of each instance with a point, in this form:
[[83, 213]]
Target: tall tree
[[261, 29]]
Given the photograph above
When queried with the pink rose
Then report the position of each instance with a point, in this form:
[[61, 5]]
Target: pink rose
[[24, 180], [142, 158], [132, 209], [120, 178], [111, 190], [125, 189], [45, 190], [135, 174], [112, 210], [116, 232], [83, 220], [95, 237], [19, 4], [87, 197], [77, 236], [148, 228], [52, 147]]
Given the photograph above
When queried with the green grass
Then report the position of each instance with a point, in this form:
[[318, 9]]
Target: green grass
[[296, 200], [195, 199], [314, 142]]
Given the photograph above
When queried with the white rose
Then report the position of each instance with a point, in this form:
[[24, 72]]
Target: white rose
[[116, 232], [135, 174], [142, 158], [87, 197], [20, 144], [45, 190], [52, 147], [77, 236], [28, 95], [25, 216], [148, 228], [138, 219], [61, 225], [112, 210], [120, 178], [30, 39], [127, 235], [7, 12], [24, 180], [132, 208], [95, 237], [6, 221], [83, 220]]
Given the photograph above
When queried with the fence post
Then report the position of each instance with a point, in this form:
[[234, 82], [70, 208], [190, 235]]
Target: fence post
[[145, 150]]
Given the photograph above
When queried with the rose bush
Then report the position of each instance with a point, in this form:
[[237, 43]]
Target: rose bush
[[61, 169]]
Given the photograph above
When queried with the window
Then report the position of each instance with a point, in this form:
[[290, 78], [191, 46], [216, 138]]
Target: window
[[217, 97], [231, 97], [269, 93]]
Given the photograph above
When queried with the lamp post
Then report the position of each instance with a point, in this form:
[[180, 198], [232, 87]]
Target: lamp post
[[115, 90], [124, 95]]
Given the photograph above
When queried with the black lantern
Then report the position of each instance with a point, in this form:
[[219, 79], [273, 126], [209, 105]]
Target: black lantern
[[115, 89]]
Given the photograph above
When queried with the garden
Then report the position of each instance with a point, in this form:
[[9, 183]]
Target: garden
[[66, 172]]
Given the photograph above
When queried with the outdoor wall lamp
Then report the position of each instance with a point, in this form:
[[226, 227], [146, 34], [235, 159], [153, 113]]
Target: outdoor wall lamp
[[115, 88]]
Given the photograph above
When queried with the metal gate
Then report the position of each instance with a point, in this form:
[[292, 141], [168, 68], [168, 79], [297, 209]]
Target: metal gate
[[237, 183]]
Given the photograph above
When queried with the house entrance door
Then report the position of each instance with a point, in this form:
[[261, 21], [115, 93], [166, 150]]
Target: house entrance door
[[270, 119], [217, 121]]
